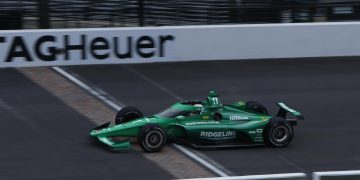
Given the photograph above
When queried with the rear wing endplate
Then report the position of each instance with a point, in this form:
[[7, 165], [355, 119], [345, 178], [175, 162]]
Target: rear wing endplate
[[284, 109]]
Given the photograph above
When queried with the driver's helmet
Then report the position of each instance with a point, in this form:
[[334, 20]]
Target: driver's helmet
[[213, 100], [200, 108]]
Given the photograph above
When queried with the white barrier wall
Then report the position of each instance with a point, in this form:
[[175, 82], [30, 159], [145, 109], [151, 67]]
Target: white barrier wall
[[184, 43]]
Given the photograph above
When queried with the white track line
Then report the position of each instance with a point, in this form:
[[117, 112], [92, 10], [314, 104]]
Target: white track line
[[224, 176], [113, 104], [87, 88], [201, 161], [253, 177], [318, 175]]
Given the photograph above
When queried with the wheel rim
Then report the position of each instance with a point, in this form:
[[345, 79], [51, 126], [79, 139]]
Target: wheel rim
[[154, 139], [280, 134]]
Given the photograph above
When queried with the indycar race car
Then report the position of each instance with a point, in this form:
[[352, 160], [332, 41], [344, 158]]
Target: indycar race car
[[201, 124]]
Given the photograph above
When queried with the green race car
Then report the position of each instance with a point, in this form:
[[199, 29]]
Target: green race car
[[201, 124]]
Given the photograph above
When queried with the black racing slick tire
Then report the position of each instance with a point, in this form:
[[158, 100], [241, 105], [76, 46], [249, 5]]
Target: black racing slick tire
[[257, 107], [152, 138], [127, 114], [278, 132]]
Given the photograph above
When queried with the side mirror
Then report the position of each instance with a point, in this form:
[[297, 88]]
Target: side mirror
[[180, 117]]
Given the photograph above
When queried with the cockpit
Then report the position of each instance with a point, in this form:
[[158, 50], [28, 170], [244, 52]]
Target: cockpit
[[186, 109], [192, 108]]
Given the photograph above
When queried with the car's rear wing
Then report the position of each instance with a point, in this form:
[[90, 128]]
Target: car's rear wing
[[284, 109]]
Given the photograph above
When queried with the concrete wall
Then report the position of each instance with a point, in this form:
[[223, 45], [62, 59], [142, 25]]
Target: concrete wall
[[184, 43]]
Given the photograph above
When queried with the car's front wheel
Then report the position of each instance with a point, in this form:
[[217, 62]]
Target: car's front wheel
[[278, 132], [152, 138], [127, 114]]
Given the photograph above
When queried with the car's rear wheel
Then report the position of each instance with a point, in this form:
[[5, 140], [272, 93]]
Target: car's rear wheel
[[278, 132], [127, 114], [257, 107], [152, 138]]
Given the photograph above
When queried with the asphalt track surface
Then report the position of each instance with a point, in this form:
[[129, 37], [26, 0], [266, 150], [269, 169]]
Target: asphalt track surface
[[42, 138], [326, 91]]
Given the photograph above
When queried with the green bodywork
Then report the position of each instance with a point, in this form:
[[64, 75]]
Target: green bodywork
[[197, 123]]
